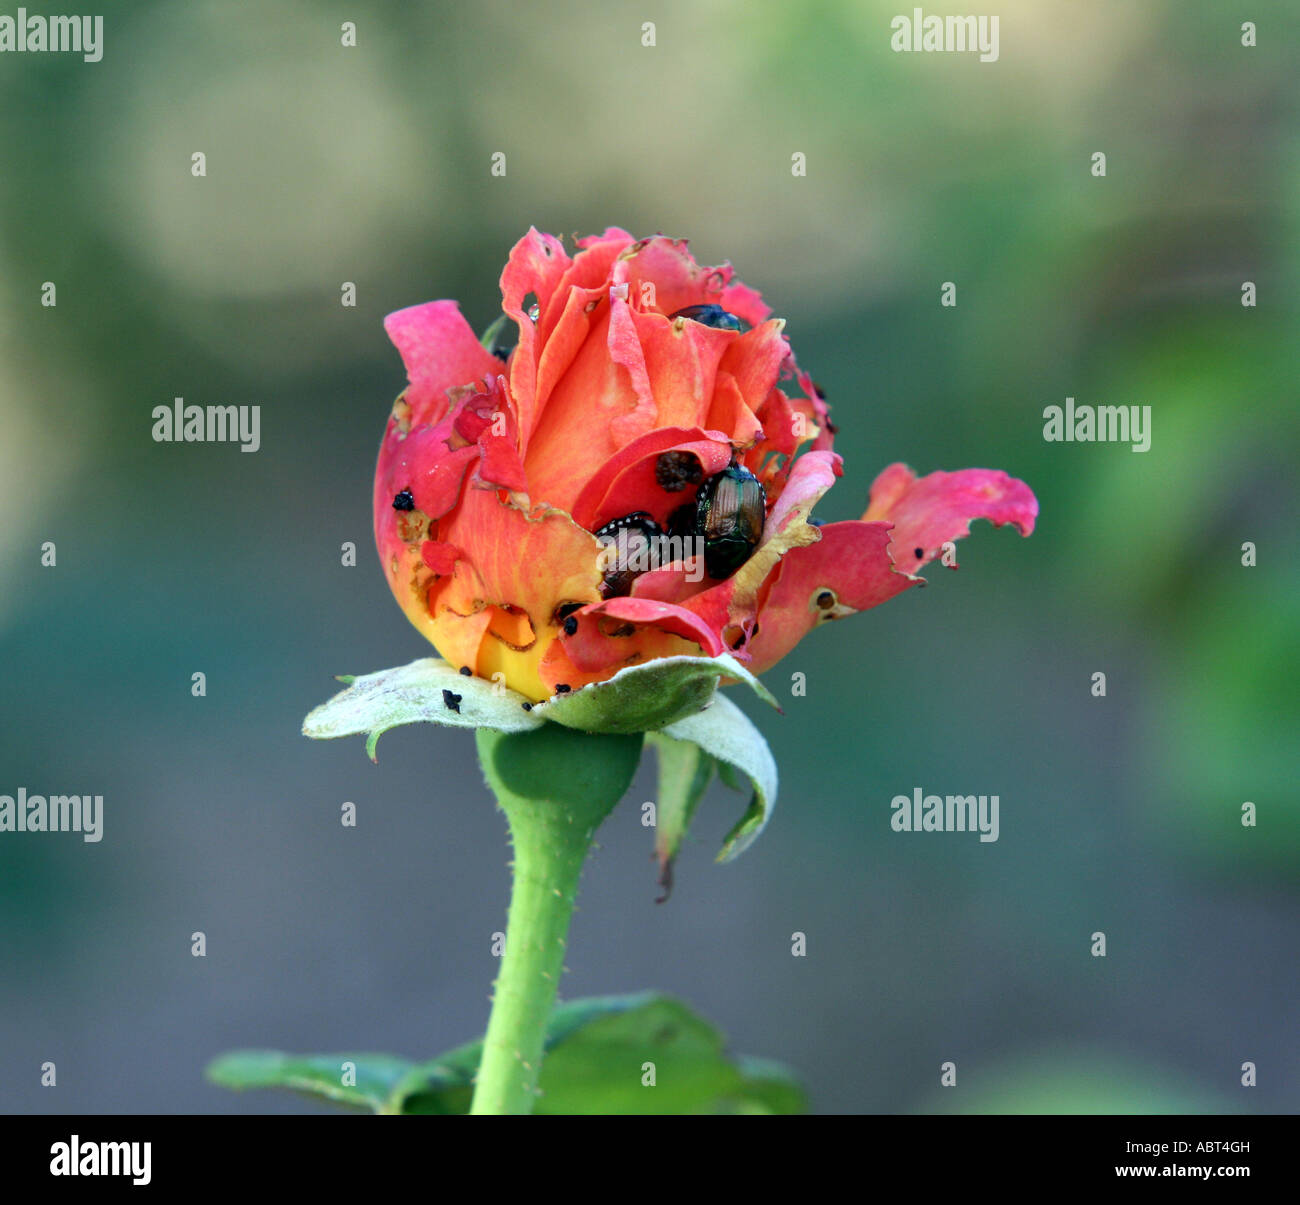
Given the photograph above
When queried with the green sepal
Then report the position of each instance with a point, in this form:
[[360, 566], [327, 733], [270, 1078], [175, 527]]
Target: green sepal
[[726, 733], [412, 694], [493, 332], [685, 771], [649, 696], [638, 698]]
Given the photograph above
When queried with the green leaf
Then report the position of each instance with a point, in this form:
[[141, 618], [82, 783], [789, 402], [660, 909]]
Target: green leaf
[[596, 1051], [443, 1086], [770, 1087], [595, 1064], [642, 698], [684, 774], [412, 694], [446, 1084], [327, 1075], [602, 1068], [724, 732]]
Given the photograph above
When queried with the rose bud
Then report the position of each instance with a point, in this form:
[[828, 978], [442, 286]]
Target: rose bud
[[632, 477]]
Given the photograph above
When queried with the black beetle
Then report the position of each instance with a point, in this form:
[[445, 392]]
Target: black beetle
[[710, 315], [730, 510]]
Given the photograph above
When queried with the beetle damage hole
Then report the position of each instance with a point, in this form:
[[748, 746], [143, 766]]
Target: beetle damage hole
[[402, 414], [412, 526], [512, 626]]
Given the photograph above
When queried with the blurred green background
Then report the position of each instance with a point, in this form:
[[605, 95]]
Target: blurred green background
[[372, 165]]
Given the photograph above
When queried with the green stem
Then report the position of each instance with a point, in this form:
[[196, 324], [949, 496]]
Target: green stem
[[549, 854], [555, 786]]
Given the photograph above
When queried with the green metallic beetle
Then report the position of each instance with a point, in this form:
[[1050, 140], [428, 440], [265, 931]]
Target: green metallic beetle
[[711, 315], [730, 510]]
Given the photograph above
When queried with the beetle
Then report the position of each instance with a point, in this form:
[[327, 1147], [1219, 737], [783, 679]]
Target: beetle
[[730, 510], [634, 540], [710, 315], [726, 518]]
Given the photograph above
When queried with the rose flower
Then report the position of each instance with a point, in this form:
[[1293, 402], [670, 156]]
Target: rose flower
[[634, 478]]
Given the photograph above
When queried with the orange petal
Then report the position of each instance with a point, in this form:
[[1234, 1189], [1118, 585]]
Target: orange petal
[[536, 265], [581, 412]]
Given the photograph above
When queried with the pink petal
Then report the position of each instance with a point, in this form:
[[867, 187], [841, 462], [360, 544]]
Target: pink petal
[[729, 412], [440, 557], [928, 511], [820, 411], [744, 302], [592, 501], [637, 487], [673, 583], [488, 420], [440, 351], [755, 360], [860, 564], [624, 631], [681, 364], [589, 272], [437, 483], [624, 350], [570, 325], [677, 621], [848, 569], [731, 607], [679, 281]]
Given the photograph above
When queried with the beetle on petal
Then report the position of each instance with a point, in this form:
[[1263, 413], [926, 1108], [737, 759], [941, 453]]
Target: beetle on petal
[[729, 514]]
